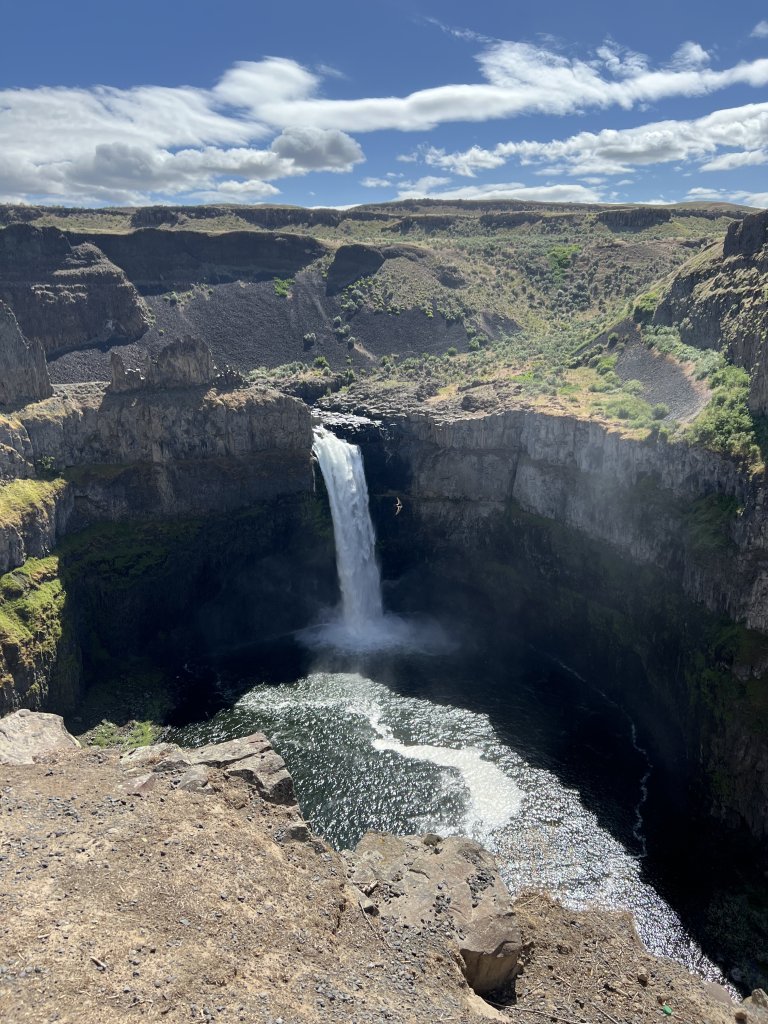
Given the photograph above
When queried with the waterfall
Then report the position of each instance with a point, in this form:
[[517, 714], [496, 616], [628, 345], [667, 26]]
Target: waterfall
[[360, 624], [359, 579]]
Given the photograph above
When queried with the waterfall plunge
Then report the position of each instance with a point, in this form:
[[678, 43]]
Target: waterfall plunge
[[342, 467], [361, 623]]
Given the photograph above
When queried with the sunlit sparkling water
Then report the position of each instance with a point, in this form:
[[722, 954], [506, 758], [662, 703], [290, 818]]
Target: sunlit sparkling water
[[366, 757]]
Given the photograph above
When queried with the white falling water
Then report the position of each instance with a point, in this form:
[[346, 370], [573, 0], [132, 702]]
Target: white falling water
[[361, 623], [342, 467]]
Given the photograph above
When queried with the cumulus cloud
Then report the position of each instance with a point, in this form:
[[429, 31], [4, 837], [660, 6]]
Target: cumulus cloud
[[615, 152], [268, 120], [146, 144]]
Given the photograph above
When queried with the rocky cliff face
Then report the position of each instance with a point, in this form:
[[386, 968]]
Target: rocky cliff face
[[182, 455], [718, 300], [23, 372], [161, 261], [66, 296], [641, 564]]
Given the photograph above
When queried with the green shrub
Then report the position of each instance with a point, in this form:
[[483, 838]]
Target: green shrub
[[645, 307], [283, 286], [726, 424]]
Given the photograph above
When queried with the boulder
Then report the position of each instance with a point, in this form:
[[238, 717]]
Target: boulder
[[221, 755], [159, 757], [193, 780], [448, 885], [267, 773], [27, 736]]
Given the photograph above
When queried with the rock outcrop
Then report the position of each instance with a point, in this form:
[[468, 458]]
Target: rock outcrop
[[184, 363], [158, 260], [350, 263], [634, 218], [146, 883], [448, 885], [23, 371], [718, 300], [66, 296], [27, 736]]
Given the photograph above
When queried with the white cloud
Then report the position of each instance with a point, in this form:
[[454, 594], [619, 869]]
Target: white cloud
[[717, 195], [466, 163], [420, 188], [267, 120], [519, 79], [730, 161], [376, 183], [147, 144], [760, 31], [563, 193], [690, 56], [614, 151]]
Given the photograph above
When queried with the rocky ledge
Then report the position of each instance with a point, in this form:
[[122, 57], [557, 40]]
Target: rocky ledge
[[172, 884]]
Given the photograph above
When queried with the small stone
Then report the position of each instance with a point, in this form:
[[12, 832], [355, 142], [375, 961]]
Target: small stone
[[642, 977]]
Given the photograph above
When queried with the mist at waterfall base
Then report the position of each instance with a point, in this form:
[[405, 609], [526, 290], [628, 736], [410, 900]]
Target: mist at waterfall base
[[384, 729]]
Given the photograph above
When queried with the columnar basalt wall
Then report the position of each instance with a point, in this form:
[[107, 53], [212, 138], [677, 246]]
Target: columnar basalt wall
[[641, 564]]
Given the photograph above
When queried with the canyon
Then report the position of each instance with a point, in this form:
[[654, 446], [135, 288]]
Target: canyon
[[158, 500]]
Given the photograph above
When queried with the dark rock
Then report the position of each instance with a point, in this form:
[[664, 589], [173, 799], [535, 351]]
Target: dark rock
[[634, 218], [350, 263], [66, 296], [157, 260], [23, 371], [184, 363], [747, 237]]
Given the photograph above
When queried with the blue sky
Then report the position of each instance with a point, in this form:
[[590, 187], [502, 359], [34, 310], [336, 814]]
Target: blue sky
[[343, 103]]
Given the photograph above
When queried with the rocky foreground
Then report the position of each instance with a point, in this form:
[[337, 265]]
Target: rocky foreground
[[180, 885]]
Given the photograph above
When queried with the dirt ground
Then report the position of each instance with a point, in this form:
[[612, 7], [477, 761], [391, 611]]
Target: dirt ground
[[185, 906]]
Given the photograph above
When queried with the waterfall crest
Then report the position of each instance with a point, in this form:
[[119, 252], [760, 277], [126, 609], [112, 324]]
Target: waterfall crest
[[342, 467]]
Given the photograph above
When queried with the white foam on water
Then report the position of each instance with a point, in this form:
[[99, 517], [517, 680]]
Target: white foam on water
[[493, 797]]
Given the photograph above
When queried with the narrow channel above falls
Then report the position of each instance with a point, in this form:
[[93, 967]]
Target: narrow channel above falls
[[384, 725]]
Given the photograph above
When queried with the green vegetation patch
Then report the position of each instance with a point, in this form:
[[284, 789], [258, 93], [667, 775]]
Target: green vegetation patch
[[561, 257], [31, 601], [19, 497], [283, 286], [726, 424]]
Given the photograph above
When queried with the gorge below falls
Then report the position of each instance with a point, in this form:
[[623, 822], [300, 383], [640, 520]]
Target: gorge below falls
[[400, 723]]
